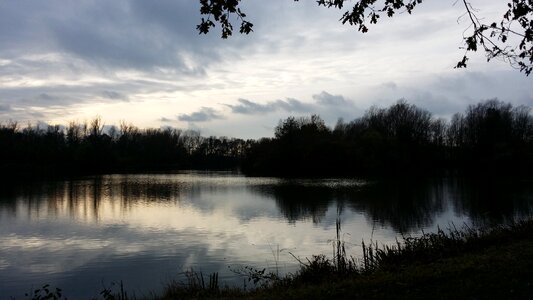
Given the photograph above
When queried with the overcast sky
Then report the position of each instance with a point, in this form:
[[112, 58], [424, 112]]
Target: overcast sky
[[144, 62]]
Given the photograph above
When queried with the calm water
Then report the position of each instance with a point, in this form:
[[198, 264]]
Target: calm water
[[83, 234]]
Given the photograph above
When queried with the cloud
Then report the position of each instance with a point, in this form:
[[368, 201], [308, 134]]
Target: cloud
[[67, 95], [41, 125], [249, 107], [47, 97], [294, 105], [448, 94], [165, 120], [115, 35], [5, 108], [327, 99], [391, 85], [25, 98], [205, 114], [114, 95]]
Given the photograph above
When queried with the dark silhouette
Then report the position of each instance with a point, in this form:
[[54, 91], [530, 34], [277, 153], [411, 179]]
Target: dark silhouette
[[491, 137], [404, 205], [88, 148]]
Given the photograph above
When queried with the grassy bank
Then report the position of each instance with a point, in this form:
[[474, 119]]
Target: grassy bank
[[490, 263], [491, 267]]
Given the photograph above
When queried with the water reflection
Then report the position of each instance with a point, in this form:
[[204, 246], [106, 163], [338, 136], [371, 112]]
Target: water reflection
[[404, 206], [492, 201], [144, 229], [296, 202]]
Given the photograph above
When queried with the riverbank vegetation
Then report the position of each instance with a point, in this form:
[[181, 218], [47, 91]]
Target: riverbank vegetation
[[489, 263], [491, 136]]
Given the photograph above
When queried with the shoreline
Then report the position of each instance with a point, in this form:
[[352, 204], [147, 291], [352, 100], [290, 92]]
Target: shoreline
[[483, 263]]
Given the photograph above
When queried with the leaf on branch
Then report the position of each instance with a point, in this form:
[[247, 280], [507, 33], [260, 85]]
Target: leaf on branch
[[246, 27], [205, 26], [471, 43], [461, 63]]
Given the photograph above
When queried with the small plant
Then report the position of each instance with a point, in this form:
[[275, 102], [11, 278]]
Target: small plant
[[320, 268], [108, 294], [195, 285], [45, 293], [257, 276], [196, 281]]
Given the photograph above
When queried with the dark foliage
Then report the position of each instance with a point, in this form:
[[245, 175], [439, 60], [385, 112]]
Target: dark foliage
[[490, 136], [45, 293], [87, 148]]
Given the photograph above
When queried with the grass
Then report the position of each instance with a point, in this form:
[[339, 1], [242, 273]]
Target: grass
[[466, 263], [495, 263]]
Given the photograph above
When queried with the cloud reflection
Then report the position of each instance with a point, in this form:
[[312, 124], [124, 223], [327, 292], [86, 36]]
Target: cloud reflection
[[123, 227]]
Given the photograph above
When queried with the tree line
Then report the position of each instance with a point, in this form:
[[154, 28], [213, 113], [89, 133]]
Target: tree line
[[491, 136], [92, 147]]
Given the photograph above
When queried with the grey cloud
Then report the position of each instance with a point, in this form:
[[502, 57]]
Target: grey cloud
[[141, 35], [325, 98], [165, 120], [444, 95], [114, 95], [41, 125], [294, 105], [131, 34], [471, 87], [5, 108], [63, 95], [36, 115], [110, 48], [205, 114], [57, 42], [332, 107], [290, 105], [19, 34], [25, 68], [26, 97], [24, 115], [46, 97], [249, 107], [389, 85]]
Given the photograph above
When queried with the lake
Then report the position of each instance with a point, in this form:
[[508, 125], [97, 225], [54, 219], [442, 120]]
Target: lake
[[85, 233]]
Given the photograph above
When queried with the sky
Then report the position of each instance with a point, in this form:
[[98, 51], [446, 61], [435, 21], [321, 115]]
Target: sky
[[143, 62]]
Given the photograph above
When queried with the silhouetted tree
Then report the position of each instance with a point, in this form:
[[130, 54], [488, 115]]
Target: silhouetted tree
[[93, 148], [399, 139], [493, 134], [301, 146], [490, 136]]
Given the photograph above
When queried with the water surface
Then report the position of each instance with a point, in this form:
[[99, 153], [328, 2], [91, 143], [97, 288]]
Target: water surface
[[144, 230]]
